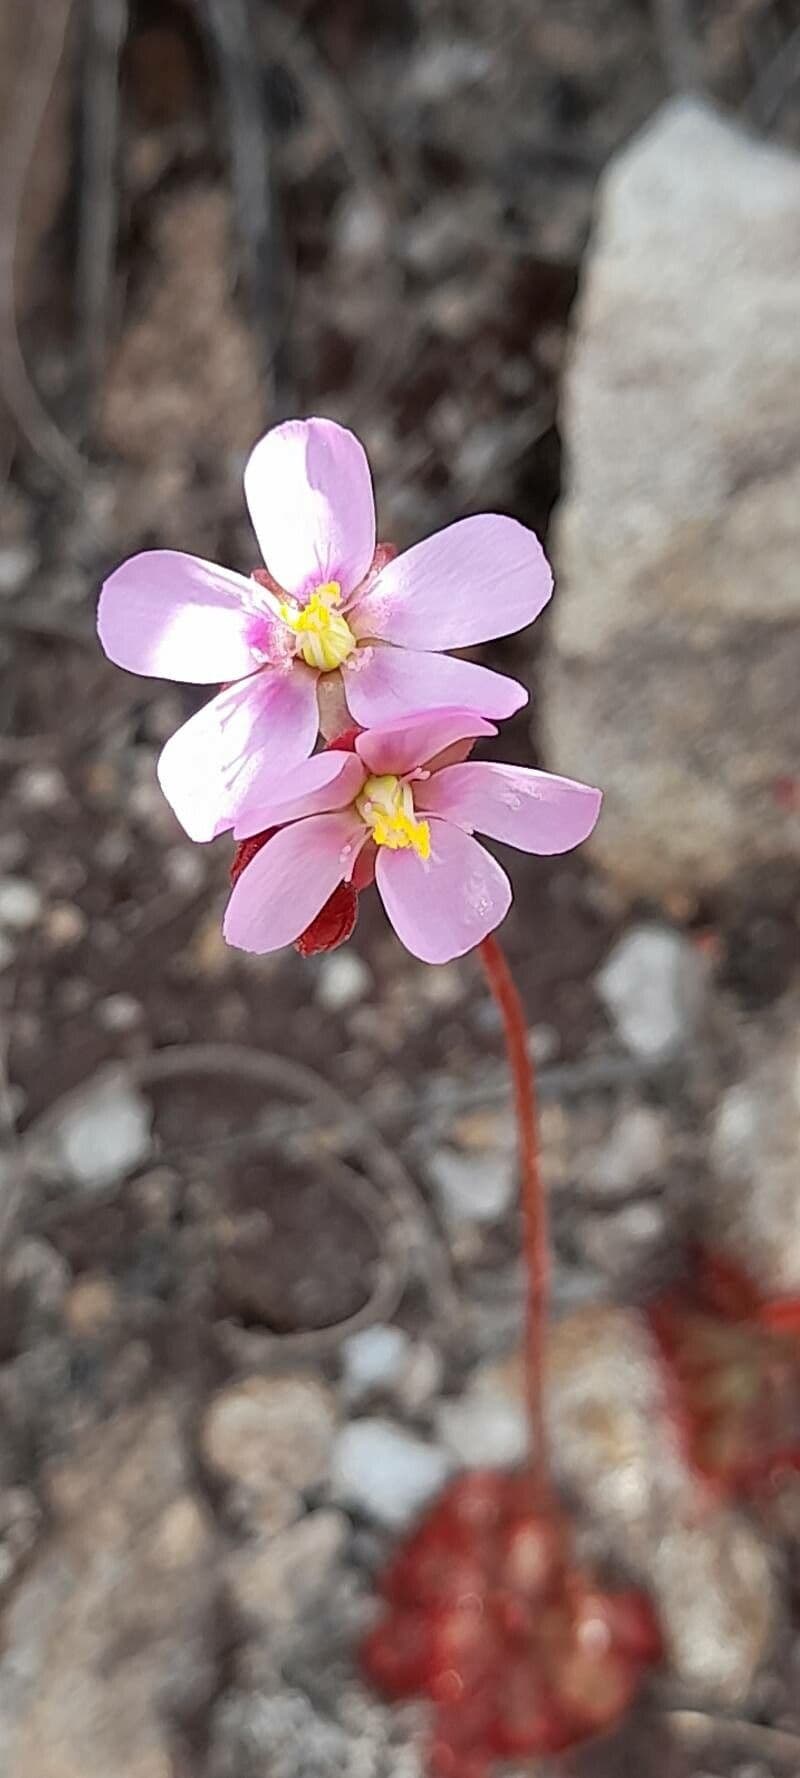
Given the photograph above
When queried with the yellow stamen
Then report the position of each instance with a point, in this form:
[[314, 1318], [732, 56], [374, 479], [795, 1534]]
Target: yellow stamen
[[387, 807], [327, 638]]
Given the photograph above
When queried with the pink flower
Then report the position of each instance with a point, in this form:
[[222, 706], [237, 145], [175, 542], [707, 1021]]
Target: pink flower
[[402, 807], [331, 616]]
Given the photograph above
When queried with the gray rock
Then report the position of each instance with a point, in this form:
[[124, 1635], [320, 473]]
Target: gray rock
[[92, 1138], [387, 1473], [283, 1734], [652, 987], [673, 676], [107, 1608], [753, 1210], [278, 1579]]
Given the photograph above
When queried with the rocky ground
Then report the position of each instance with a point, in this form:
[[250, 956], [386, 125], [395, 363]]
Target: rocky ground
[[262, 1287]]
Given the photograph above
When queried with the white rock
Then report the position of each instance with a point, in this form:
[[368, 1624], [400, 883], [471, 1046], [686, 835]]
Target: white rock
[[119, 1012], [17, 564], [96, 1135], [20, 903], [652, 986], [717, 1599], [373, 1359], [637, 1149], [343, 979], [673, 677], [486, 1425], [41, 787], [472, 1187], [385, 1472]]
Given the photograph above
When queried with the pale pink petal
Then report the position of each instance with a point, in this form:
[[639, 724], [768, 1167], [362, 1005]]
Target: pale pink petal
[[315, 787], [444, 905], [309, 491], [535, 811], [283, 888], [399, 747], [485, 576], [383, 685], [210, 769], [173, 616]]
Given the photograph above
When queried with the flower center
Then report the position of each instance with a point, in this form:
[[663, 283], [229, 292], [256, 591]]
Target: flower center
[[387, 807], [326, 638]]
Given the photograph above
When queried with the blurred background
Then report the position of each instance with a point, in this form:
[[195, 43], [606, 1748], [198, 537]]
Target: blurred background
[[262, 1291]]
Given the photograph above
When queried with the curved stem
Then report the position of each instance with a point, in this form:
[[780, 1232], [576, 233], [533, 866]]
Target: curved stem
[[532, 1194]]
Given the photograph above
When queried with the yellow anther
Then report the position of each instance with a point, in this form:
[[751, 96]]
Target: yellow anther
[[387, 807], [326, 636]]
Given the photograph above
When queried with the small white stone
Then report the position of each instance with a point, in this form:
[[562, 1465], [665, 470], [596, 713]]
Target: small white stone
[[472, 1188], [17, 563], [652, 987], [387, 1473], [373, 1359], [486, 1425], [636, 1149], [119, 1012], [41, 787], [20, 903], [101, 1134], [343, 979], [260, 1431]]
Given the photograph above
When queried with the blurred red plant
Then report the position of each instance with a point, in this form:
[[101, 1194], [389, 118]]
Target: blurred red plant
[[519, 1649], [731, 1358]]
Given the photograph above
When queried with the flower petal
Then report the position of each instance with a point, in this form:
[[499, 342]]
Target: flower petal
[[309, 490], [173, 616], [444, 905], [485, 576], [210, 769], [289, 880], [385, 685], [535, 811], [315, 787], [399, 747]]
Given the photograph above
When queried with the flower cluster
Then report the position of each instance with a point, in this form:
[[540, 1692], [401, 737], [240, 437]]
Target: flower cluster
[[340, 632], [521, 1652]]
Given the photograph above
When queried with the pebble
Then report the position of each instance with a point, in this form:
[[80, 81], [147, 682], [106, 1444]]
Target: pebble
[[266, 1430], [343, 979], [472, 1188], [17, 563], [385, 1472], [276, 1580], [486, 1425], [373, 1359], [119, 1013], [717, 1603], [20, 903], [65, 924], [41, 786], [96, 1136], [652, 988], [90, 1307], [636, 1150]]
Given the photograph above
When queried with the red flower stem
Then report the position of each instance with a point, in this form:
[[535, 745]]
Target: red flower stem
[[532, 1195]]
